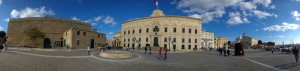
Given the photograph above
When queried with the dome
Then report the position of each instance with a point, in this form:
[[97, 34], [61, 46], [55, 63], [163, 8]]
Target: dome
[[157, 13]]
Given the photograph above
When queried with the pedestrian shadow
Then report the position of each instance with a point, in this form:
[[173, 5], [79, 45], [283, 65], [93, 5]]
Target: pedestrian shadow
[[287, 66]]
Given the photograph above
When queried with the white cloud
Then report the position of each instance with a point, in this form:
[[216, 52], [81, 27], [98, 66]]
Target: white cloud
[[296, 15], [209, 16], [296, 0], [235, 19], [6, 20], [88, 21], [247, 6], [278, 36], [1, 28], [285, 26], [109, 20], [30, 12], [281, 36], [266, 3], [94, 21], [262, 14], [0, 2], [110, 33], [210, 10], [98, 18], [75, 18]]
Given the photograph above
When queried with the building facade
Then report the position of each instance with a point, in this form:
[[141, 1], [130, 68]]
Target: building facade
[[249, 41], [58, 33], [109, 42], [220, 42], [207, 39], [117, 39], [159, 30]]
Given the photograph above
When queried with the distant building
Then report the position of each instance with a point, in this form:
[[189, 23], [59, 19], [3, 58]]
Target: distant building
[[220, 42], [207, 39], [249, 41], [117, 39], [158, 29], [109, 42], [58, 33]]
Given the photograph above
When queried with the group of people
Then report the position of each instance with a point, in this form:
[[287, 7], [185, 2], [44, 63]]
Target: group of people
[[132, 48], [165, 53], [146, 48], [3, 48], [224, 51]]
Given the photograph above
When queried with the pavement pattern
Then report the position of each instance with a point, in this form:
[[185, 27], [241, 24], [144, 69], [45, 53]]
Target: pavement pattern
[[79, 60]]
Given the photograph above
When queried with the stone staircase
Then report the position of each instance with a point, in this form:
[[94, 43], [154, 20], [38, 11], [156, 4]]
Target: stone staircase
[[155, 48]]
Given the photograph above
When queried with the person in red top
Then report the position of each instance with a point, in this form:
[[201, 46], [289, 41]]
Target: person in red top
[[160, 53], [166, 51]]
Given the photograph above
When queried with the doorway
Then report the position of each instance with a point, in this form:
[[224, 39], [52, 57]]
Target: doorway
[[155, 41], [47, 43], [92, 43]]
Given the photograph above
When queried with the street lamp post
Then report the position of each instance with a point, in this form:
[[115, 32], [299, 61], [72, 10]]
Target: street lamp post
[[138, 43], [133, 42], [169, 42]]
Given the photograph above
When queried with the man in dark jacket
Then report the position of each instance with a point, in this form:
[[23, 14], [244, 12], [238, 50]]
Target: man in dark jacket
[[228, 52], [166, 51], [145, 49], [296, 53]]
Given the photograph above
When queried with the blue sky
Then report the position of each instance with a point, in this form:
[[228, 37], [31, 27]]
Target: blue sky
[[266, 20]]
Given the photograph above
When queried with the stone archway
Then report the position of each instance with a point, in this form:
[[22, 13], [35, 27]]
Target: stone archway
[[47, 43], [155, 41]]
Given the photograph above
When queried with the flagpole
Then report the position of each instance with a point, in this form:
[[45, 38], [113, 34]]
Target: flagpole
[[156, 4]]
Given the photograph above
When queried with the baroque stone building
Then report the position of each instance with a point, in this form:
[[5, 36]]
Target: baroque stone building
[[249, 41], [159, 30], [220, 42], [207, 39], [117, 39], [58, 33]]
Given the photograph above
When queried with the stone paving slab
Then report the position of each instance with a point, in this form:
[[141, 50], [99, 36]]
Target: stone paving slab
[[188, 61]]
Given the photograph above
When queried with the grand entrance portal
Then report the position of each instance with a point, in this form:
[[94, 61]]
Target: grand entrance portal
[[92, 43], [47, 43], [155, 41]]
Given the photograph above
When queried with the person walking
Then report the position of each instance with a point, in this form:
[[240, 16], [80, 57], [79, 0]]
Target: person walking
[[166, 51], [133, 48], [150, 50], [145, 49], [88, 49], [224, 51], [4, 48], [228, 52], [220, 50], [272, 50], [296, 53], [160, 53]]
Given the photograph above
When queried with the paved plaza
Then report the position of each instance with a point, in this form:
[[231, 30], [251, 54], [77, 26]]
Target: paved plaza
[[79, 60]]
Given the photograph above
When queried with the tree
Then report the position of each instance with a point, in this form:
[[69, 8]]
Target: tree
[[271, 43], [2, 37], [34, 33], [229, 42], [260, 42], [2, 34]]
